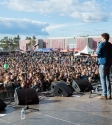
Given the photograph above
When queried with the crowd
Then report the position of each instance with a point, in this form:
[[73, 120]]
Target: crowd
[[39, 70]]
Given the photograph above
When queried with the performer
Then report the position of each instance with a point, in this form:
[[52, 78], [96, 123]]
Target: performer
[[104, 54]]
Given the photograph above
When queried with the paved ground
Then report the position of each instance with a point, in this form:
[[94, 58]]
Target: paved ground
[[63, 111]]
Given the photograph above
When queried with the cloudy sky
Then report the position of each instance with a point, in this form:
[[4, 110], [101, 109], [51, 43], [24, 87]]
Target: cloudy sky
[[55, 18]]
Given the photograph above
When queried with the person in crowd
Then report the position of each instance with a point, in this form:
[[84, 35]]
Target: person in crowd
[[44, 69]]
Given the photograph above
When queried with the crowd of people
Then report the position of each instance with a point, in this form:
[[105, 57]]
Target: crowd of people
[[39, 70]]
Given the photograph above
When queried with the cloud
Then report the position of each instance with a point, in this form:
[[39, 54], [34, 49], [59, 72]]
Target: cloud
[[86, 11], [107, 0], [22, 26], [55, 26], [62, 27], [78, 28], [111, 13], [89, 17]]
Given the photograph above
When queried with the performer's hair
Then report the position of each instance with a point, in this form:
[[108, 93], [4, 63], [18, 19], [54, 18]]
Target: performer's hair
[[106, 36]]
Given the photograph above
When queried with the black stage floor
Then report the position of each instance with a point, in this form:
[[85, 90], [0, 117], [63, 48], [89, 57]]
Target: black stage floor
[[62, 111]]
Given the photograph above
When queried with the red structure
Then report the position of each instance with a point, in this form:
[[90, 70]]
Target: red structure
[[22, 44], [81, 43], [95, 42], [45, 43], [57, 43], [63, 43]]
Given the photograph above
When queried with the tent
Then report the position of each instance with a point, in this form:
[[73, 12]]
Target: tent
[[39, 50], [55, 49], [86, 50], [43, 50], [47, 50]]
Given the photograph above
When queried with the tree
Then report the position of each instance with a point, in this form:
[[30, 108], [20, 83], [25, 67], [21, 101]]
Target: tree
[[28, 38], [32, 42], [6, 43], [18, 37], [16, 41], [34, 37], [9, 44]]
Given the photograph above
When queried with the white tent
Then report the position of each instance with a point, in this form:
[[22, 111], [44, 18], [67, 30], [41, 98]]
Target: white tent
[[86, 50]]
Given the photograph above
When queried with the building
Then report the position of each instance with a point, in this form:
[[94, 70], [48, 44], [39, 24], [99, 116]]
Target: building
[[66, 42]]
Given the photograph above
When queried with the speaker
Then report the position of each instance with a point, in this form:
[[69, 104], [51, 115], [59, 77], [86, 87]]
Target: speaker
[[62, 90], [81, 85], [2, 105], [20, 96], [53, 84]]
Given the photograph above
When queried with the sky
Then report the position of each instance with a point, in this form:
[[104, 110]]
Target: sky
[[55, 18]]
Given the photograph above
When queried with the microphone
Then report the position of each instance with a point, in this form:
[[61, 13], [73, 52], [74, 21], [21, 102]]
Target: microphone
[[99, 42]]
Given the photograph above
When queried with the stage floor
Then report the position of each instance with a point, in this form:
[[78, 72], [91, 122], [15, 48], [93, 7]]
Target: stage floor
[[62, 111]]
